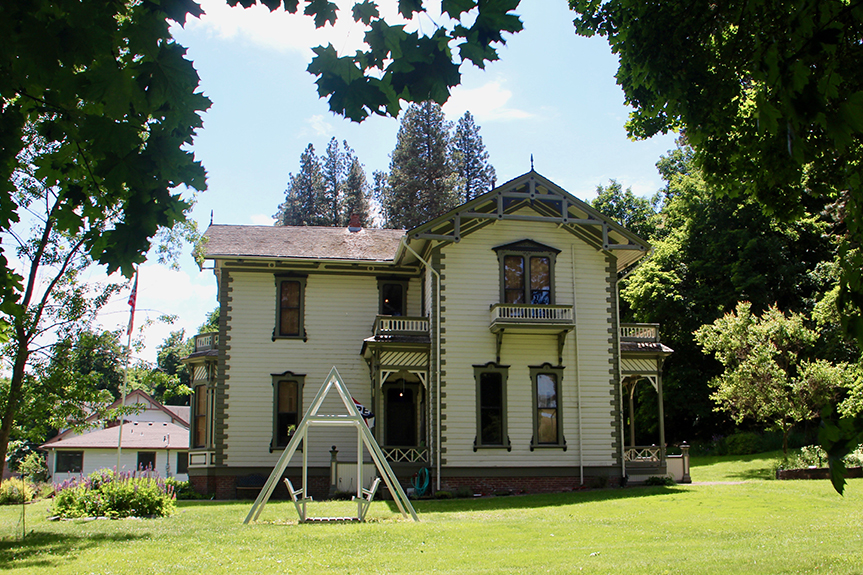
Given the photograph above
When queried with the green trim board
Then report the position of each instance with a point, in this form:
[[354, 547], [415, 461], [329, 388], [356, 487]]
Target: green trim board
[[547, 382], [491, 407], [365, 438]]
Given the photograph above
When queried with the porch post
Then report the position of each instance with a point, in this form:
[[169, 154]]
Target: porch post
[[632, 383], [660, 402]]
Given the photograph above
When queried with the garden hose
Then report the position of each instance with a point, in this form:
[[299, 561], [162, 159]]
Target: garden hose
[[420, 482]]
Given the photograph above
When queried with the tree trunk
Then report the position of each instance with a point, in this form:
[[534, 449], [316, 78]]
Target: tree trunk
[[16, 385]]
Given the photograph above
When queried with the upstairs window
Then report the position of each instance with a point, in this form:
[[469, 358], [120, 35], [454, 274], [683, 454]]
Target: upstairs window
[[393, 297], [527, 273], [290, 301]]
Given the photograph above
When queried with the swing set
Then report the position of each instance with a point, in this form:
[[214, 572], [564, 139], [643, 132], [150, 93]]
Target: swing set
[[365, 438]]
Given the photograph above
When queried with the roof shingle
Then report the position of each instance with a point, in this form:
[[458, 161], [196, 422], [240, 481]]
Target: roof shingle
[[306, 242]]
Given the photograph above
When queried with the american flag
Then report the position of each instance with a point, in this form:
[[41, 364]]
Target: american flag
[[133, 297], [366, 413]]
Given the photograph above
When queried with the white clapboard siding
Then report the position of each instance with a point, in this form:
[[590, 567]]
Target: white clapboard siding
[[472, 284], [339, 313], [95, 459]]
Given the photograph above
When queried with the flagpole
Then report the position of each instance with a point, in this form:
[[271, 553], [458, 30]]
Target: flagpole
[[132, 300]]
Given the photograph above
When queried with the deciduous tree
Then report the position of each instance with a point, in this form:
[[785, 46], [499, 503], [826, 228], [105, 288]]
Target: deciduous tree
[[99, 106], [769, 375]]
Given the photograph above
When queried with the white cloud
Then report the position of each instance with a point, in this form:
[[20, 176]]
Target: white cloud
[[486, 103], [279, 30], [318, 126], [262, 220]]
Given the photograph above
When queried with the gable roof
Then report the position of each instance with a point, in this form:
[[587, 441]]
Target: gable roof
[[136, 435], [178, 414], [301, 242], [549, 203]]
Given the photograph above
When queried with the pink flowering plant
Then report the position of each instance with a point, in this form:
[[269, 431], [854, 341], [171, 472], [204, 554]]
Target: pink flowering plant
[[106, 493]]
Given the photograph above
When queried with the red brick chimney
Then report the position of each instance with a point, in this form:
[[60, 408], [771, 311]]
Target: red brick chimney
[[354, 225]]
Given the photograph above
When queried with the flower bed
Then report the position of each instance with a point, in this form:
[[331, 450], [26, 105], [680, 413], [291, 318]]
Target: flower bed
[[105, 493]]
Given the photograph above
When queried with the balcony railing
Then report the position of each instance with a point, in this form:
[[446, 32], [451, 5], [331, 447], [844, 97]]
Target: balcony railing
[[406, 454], [206, 341], [639, 332], [521, 314], [643, 454], [396, 325]]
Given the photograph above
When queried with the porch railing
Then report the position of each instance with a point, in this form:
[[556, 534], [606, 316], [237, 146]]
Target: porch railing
[[643, 454], [206, 341], [406, 454], [639, 332], [531, 314], [395, 325]]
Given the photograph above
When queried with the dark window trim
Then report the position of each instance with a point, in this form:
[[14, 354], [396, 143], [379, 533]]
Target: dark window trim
[[404, 285], [277, 378], [527, 249], [503, 370], [150, 455], [536, 370], [202, 388], [66, 455], [280, 279], [182, 457]]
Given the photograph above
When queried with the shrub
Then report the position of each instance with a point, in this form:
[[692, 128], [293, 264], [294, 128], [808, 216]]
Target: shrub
[[34, 468], [14, 490], [182, 489], [659, 480], [745, 443], [105, 493]]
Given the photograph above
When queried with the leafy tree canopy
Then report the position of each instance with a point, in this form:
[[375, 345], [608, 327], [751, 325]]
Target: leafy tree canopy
[[769, 375], [769, 95], [400, 65]]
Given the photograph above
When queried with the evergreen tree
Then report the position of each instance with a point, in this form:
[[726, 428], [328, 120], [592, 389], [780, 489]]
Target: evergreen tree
[[334, 166], [356, 191], [422, 179], [381, 196], [305, 203], [476, 175]]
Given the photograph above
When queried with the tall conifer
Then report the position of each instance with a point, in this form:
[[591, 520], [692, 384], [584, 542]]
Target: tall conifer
[[422, 179], [475, 175]]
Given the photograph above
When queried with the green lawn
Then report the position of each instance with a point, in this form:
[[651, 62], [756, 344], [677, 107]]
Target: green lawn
[[754, 527], [735, 467]]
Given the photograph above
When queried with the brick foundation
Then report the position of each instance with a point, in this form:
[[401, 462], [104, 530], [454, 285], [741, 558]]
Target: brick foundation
[[225, 486], [493, 485]]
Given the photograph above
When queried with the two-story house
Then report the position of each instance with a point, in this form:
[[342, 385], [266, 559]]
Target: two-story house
[[487, 343]]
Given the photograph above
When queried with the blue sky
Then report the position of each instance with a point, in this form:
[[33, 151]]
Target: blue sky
[[552, 94]]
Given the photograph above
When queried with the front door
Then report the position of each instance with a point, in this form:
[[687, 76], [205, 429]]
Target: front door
[[400, 410]]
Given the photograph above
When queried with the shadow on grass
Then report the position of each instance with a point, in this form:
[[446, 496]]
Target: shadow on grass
[[535, 501], [52, 550], [758, 466]]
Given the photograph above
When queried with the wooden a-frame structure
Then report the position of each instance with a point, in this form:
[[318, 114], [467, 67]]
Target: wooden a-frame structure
[[364, 437]]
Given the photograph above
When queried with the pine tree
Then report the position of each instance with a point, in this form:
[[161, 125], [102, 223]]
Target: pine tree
[[356, 191], [305, 203], [476, 175], [422, 180], [334, 168], [381, 196]]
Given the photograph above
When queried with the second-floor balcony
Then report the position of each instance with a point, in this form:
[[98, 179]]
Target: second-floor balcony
[[388, 325], [537, 318], [206, 341]]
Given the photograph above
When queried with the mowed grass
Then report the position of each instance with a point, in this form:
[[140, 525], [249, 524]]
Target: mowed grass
[[754, 527]]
